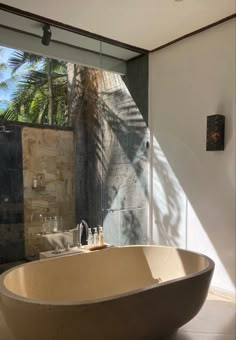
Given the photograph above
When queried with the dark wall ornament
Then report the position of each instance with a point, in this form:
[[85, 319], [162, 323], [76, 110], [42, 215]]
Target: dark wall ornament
[[215, 133]]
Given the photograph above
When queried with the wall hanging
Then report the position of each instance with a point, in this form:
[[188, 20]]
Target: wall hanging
[[215, 132]]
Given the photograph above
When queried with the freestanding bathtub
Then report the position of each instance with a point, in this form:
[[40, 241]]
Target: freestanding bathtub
[[106, 295]]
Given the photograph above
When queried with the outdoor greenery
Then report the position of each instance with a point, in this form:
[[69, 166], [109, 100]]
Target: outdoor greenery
[[41, 90], [48, 91], [3, 84]]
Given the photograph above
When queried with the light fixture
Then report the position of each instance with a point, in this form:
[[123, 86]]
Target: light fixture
[[46, 35]]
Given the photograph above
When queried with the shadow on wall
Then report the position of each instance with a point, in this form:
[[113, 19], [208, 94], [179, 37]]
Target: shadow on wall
[[131, 135], [200, 222], [88, 127], [185, 91], [127, 169], [131, 228], [111, 163], [169, 203]]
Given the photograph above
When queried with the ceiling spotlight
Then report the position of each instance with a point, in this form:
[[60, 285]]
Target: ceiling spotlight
[[46, 35]]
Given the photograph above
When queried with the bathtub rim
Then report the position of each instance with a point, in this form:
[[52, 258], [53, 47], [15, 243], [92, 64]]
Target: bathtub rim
[[5, 292]]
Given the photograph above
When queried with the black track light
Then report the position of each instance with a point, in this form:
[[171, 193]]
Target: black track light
[[46, 35]]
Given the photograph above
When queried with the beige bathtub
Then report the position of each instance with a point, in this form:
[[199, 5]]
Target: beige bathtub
[[106, 295]]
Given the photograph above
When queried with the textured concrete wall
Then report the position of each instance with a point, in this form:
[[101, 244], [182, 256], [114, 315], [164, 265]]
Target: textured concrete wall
[[11, 196], [50, 153], [88, 124], [136, 81], [112, 157], [125, 174]]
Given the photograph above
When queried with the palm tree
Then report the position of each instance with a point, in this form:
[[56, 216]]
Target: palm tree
[[41, 91], [3, 84]]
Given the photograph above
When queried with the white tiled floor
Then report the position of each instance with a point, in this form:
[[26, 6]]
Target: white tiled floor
[[216, 321]]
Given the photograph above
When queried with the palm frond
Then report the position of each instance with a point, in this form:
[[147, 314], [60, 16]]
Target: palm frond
[[36, 78], [3, 66], [57, 66], [3, 85], [20, 58], [30, 100]]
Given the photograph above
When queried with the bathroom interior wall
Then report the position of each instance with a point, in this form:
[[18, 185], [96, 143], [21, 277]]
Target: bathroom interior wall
[[194, 189], [49, 153]]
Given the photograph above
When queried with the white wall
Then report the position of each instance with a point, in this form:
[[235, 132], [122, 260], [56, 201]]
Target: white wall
[[194, 190]]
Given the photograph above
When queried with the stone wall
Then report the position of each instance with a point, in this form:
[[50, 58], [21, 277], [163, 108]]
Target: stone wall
[[50, 154]]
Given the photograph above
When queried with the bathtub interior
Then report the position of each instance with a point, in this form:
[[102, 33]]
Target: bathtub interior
[[101, 274]]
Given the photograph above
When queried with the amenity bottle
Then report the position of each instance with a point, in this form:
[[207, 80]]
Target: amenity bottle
[[55, 225], [90, 237], [101, 236], [95, 237]]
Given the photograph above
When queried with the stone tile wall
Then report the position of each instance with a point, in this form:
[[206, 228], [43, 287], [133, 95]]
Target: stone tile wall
[[50, 154]]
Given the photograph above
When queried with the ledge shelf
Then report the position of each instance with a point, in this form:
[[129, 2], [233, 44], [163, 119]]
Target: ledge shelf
[[39, 188]]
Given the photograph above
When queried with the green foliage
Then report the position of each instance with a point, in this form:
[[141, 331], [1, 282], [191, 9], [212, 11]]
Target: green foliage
[[3, 84], [30, 102]]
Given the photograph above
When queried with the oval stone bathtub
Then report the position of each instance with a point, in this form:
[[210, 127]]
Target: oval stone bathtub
[[108, 294]]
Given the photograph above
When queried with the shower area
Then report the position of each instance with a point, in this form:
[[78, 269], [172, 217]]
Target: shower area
[[11, 195], [90, 162], [37, 187]]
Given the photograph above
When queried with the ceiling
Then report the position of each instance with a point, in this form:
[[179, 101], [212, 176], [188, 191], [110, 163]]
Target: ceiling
[[145, 24], [26, 25]]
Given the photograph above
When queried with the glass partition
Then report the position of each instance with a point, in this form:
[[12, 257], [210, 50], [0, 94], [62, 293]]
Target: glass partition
[[73, 140]]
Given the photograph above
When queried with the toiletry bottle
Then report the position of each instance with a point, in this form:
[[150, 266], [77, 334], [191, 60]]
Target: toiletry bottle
[[44, 225], [55, 225], [35, 183], [38, 181], [101, 236], [41, 220], [47, 225], [90, 237], [50, 225], [60, 224], [95, 237]]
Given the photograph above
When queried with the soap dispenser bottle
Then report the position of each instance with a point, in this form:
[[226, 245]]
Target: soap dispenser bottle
[[90, 237], [101, 236], [95, 237]]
